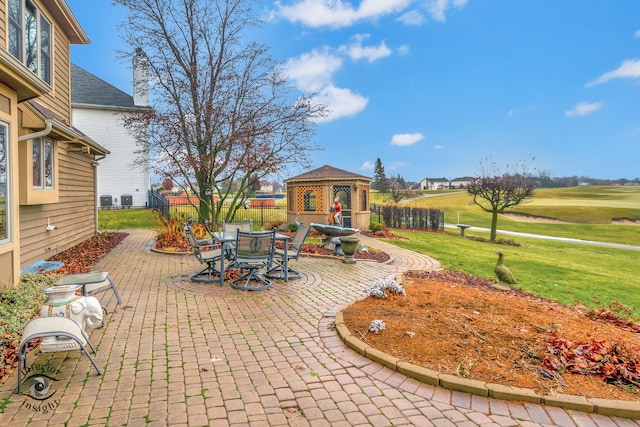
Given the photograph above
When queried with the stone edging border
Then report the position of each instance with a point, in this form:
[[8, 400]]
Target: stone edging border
[[607, 407], [160, 251], [389, 261]]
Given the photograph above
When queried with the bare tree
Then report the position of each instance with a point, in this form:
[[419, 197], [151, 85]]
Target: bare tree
[[494, 191], [397, 188], [224, 113]]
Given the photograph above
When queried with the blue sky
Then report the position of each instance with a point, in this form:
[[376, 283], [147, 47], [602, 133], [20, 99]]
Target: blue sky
[[432, 87]]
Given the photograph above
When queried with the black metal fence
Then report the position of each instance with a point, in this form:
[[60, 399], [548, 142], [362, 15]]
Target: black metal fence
[[260, 213], [159, 202], [408, 217]]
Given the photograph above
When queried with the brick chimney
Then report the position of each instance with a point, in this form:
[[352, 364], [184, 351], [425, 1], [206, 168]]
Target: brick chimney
[[140, 79]]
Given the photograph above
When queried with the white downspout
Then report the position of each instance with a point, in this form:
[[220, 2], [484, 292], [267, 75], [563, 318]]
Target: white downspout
[[95, 163], [39, 134]]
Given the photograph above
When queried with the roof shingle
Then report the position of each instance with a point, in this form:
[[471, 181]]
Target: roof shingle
[[87, 89]]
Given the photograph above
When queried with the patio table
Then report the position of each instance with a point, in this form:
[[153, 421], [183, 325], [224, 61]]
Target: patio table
[[226, 238]]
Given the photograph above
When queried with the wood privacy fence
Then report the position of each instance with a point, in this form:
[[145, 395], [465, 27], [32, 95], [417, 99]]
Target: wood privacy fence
[[408, 217]]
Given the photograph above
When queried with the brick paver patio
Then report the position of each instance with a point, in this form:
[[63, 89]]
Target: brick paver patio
[[181, 353]]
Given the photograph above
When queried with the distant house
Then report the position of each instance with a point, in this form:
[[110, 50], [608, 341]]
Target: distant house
[[265, 187], [47, 166], [461, 182], [98, 109], [434, 184]]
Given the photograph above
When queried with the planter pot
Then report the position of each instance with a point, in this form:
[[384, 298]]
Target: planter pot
[[349, 247]]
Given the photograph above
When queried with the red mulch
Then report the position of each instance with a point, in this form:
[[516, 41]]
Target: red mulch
[[83, 256]]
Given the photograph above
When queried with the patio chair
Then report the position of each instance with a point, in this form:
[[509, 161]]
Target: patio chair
[[246, 226], [232, 227], [253, 252], [92, 283], [294, 247], [60, 334], [207, 253]]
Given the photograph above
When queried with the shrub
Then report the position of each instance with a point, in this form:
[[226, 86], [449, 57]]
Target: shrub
[[277, 224], [170, 232], [200, 231], [375, 227]]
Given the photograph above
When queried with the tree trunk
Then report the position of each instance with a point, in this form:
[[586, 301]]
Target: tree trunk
[[494, 226], [204, 206]]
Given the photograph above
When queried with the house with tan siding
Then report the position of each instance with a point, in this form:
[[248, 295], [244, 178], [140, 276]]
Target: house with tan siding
[[47, 166]]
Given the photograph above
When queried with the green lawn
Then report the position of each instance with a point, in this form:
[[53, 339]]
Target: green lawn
[[122, 219], [589, 210], [564, 272]]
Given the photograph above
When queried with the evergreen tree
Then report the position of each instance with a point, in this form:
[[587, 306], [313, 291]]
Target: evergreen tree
[[380, 181]]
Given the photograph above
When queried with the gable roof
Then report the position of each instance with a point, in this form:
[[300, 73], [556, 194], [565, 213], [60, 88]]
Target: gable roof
[[91, 91], [436, 179], [464, 178], [58, 127], [327, 172]]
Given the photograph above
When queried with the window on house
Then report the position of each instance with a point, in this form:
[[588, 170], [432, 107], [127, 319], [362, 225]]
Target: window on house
[[310, 201], [290, 200], [30, 37], [43, 164], [365, 202], [4, 177]]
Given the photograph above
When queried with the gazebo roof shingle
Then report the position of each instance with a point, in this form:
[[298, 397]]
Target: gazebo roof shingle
[[327, 172]]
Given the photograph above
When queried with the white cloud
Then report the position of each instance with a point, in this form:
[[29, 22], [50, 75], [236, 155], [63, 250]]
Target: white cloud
[[628, 69], [438, 8], [438, 147], [311, 71], [405, 139], [637, 33], [336, 13], [357, 51], [582, 109], [412, 18], [403, 50], [367, 165], [340, 102]]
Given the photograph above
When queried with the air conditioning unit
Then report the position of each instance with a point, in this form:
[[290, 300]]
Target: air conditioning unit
[[106, 201]]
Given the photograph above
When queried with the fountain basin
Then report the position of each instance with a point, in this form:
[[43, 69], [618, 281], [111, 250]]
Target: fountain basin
[[333, 230]]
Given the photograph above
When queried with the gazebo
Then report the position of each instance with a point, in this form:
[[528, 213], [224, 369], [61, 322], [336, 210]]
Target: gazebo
[[310, 196]]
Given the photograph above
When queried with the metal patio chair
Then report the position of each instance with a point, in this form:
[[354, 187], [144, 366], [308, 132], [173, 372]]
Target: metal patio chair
[[63, 334], [232, 227], [253, 252], [294, 247], [207, 253]]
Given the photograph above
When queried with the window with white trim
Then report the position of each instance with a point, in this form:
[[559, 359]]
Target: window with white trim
[[43, 167], [30, 37], [4, 182]]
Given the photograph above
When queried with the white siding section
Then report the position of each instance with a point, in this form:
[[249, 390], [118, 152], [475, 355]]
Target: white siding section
[[117, 175]]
